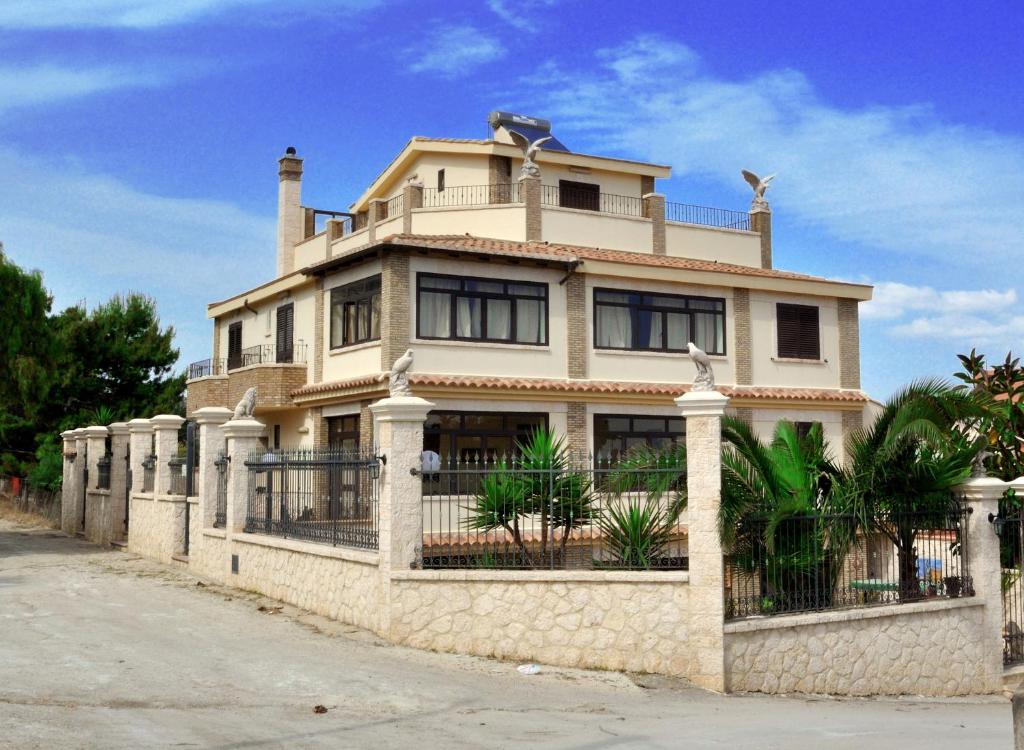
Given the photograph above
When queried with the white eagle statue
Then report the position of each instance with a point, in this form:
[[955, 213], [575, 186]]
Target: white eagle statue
[[705, 380]]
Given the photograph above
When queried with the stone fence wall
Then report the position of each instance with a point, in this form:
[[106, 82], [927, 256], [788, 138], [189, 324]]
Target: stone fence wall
[[661, 622]]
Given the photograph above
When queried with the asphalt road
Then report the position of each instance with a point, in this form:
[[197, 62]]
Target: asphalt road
[[101, 649]]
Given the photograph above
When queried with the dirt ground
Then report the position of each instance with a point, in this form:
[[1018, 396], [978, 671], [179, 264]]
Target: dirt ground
[[102, 649]]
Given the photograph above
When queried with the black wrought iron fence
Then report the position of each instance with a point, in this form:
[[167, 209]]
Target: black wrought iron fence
[[591, 200], [220, 515], [206, 367], [393, 207], [325, 496], [149, 473], [722, 218], [471, 195], [103, 472], [1010, 530], [178, 480], [568, 511], [818, 562], [263, 354]]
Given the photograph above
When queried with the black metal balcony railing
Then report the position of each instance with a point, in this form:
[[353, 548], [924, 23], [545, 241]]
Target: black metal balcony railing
[[591, 200], [268, 354], [712, 217], [471, 195], [392, 208], [206, 367]]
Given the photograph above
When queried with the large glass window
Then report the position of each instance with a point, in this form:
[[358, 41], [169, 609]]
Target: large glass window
[[355, 312], [343, 432], [657, 322], [478, 436], [469, 309], [616, 434]]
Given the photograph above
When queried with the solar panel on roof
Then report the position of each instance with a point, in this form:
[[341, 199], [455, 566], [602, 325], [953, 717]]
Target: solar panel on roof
[[532, 134]]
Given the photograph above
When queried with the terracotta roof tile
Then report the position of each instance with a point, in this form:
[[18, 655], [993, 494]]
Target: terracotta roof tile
[[485, 382]]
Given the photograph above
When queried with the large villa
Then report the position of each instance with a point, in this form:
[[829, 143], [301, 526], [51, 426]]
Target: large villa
[[559, 292]]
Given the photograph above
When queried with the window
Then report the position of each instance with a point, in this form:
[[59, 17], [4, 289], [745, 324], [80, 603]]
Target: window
[[440, 180], [277, 437], [453, 307], [235, 345], [343, 432], [657, 322], [584, 195], [478, 436], [803, 429], [616, 434], [285, 333], [355, 313], [798, 331]]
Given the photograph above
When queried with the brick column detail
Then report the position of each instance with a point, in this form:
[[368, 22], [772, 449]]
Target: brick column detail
[[529, 193], [576, 427], [576, 325], [849, 344], [395, 302], [320, 436], [375, 214], [211, 444], [761, 222], [319, 313], [243, 439], [366, 434], [412, 197], [654, 209], [166, 427], [984, 565], [703, 412], [215, 362], [744, 347], [744, 414], [119, 438]]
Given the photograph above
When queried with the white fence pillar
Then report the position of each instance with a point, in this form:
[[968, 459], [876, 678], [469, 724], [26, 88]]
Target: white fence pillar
[[166, 427], [243, 439], [982, 496], [140, 446], [211, 444], [119, 437], [95, 520], [68, 485], [81, 467], [703, 411]]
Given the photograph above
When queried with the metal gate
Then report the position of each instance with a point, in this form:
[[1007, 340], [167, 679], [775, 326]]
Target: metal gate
[[1010, 530], [85, 485], [127, 487]]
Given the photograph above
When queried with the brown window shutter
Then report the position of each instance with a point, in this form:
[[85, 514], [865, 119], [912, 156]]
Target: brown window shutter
[[798, 331]]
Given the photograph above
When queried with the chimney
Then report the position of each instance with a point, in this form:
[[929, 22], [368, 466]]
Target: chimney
[[290, 218]]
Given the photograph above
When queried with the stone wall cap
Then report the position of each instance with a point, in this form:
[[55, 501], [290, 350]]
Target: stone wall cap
[[118, 428], [96, 431], [139, 425], [78, 432], [167, 421], [212, 415], [244, 428], [68, 434], [401, 409], [702, 403]]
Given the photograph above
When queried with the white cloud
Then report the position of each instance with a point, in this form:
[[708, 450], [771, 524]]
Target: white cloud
[[94, 236], [141, 14], [518, 14], [894, 299], [896, 178], [41, 84], [454, 51]]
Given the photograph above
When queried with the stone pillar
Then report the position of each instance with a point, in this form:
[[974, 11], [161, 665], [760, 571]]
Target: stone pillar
[[291, 218], [243, 438], [395, 297], [703, 411], [308, 223], [761, 222], [529, 194], [335, 230], [81, 466], [412, 197], [166, 427], [140, 440], [94, 516], [982, 496], [398, 426], [849, 344], [119, 437], [375, 214], [654, 209], [211, 444], [69, 483]]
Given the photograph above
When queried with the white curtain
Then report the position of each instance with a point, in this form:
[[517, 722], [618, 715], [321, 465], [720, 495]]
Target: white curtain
[[678, 330], [467, 318], [654, 337], [529, 321], [435, 314], [337, 323], [708, 334], [499, 319], [614, 327]]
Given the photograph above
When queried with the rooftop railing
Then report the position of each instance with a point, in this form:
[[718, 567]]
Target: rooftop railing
[[591, 200], [723, 218], [471, 195]]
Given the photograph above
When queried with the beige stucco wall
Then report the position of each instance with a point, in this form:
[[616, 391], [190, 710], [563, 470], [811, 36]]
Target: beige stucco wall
[[507, 360], [660, 367], [933, 648], [764, 421], [157, 527], [709, 243], [349, 242], [615, 183], [392, 225], [311, 250], [507, 222], [634, 622], [768, 369], [591, 229], [351, 361], [261, 328]]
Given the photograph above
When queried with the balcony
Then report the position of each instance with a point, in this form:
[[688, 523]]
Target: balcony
[[274, 372]]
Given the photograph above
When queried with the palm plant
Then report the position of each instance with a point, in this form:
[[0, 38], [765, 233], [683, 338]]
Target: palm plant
[[538, 483], [903, 468], [772, 498]]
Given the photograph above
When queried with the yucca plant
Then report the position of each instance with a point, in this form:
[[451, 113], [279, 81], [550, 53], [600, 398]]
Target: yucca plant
[[636, 533]]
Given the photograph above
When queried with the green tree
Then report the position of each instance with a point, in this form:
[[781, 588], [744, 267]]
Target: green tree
[[1003, 418]]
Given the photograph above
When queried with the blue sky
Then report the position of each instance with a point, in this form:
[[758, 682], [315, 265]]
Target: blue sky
[[138, 138]]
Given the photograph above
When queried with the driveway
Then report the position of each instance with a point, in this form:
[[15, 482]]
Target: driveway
[[101, 649]]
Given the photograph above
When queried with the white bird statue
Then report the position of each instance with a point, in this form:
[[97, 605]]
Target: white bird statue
[[759, 185], [247, 405], [705, 380], [398, 378], [530, 150]]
